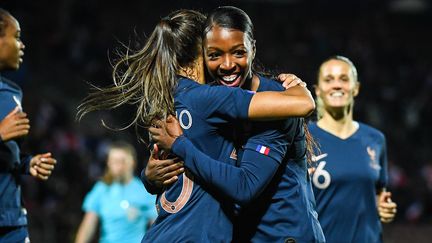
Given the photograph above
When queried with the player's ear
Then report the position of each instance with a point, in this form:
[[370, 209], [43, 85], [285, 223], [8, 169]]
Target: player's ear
[[253, 48], [356, 88]]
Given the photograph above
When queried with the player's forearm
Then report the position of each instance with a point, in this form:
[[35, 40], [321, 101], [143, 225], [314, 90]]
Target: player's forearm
[[294, 102], [241, 184], [87, 228]]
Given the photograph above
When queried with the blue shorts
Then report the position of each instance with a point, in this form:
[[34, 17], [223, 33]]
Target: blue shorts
[[16, 234]]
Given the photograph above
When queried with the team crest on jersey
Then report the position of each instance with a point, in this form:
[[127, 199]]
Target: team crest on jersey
[[373, 158]]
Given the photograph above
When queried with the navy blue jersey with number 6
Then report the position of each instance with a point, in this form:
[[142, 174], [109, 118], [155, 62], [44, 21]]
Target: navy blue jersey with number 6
[[349, 172]]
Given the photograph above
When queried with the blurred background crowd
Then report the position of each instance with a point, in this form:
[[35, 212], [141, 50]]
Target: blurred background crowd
[[71, 43]]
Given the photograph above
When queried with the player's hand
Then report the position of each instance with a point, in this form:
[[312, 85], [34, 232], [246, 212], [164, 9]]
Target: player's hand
[[162, 172], [164, 133], [386, 207], [14, 125], [290, 80], [42, 165], [173, 126]]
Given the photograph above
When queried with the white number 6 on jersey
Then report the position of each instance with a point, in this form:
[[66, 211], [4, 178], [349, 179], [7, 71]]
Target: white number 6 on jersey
[[321, 172]]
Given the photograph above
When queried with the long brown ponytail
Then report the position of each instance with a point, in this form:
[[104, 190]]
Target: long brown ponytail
[[147, 78]]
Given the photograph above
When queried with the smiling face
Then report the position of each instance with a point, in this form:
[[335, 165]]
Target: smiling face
[[337, 85], [228, 56], [11, 46]]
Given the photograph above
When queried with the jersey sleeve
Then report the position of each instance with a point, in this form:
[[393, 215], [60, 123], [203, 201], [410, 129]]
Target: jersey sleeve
[[241, 184], [223, 103], [272, 138], [6, 106], [92, 199], [24, 167], [6, 160], [7, 164], [383, 176]]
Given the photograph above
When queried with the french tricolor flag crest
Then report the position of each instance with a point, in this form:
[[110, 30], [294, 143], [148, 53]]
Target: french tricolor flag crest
[[263, 149]]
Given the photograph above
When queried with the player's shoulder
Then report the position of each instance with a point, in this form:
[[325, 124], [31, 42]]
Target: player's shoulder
[[370, 131], [97, 191], [186, 84], [8, 84], [136, 182], [312, 126], [269, 84], [136, 186], [100, 186], [191, 92]]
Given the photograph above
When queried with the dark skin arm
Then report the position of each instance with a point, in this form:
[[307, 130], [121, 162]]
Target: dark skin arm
[[295, 101]]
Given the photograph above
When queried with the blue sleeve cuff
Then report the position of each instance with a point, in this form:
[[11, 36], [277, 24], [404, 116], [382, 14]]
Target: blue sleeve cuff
[[245, 103], [180, 146], [25, 165]]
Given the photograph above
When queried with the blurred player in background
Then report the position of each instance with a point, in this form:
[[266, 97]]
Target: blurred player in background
[[118, 203], [351, 174]]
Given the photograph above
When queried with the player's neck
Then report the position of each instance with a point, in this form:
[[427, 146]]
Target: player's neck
[[255, 82], [126, 179], [193, 73], [343, 127], [251, 83]]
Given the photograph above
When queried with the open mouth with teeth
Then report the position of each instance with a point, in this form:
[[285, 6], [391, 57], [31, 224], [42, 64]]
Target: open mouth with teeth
[[337, 94], [232, 80], [20, 57]]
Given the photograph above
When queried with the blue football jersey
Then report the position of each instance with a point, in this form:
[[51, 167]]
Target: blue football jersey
[[285, 210], [186, 211], [11, 208], [345, 181], [271, 183]]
